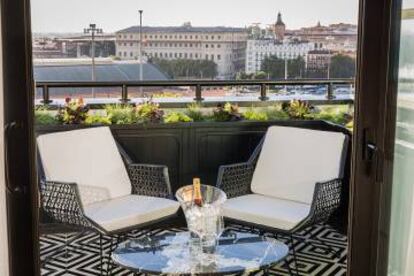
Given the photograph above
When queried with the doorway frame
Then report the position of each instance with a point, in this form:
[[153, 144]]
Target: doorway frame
[[373, 78]]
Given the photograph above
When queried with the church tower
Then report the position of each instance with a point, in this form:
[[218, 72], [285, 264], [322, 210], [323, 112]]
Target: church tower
[[279, 28]]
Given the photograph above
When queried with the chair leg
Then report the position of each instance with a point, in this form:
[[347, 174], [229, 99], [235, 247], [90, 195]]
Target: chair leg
[[294, 254], [336, 253], [114, 243], [62, 249], [101, 254]]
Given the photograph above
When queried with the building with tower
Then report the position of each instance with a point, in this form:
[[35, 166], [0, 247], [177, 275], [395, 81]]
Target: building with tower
[[279, 28]]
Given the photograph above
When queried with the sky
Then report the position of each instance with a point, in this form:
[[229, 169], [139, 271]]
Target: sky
[[114, 15]]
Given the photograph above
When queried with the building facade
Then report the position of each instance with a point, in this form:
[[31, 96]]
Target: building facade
[[258, 50], [318, 62], [223, 45]]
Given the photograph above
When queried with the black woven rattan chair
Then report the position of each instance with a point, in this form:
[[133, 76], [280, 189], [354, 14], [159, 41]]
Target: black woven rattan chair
[[113, 212], [262, 190]]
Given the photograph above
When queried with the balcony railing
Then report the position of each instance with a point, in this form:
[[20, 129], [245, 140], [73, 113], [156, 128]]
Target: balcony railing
[[264, 98]]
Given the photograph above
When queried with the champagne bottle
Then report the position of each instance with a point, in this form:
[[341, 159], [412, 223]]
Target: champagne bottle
[[197, 198]]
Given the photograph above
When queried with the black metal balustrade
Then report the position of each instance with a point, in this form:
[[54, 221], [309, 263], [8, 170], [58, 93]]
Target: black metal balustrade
[[198, 86]]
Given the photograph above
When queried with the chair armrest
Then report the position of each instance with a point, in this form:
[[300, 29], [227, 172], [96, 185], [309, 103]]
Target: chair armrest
[[150, 180], [326, 199], [235, 180], [61, 201]]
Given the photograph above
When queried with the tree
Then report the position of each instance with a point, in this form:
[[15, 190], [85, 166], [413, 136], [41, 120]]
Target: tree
[[342, 66], [187, 68], [274, 67], [296, 67], [260, 75]]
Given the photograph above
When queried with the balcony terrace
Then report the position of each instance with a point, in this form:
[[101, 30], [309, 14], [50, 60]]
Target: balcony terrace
[[197, 149]]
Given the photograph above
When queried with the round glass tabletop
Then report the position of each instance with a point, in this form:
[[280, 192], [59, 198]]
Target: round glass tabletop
[[175, 254]]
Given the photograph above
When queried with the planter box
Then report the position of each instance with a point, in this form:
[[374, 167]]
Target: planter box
[[196, 149]]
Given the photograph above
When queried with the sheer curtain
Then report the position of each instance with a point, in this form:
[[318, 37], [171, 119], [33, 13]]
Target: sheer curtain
[[401, 247]]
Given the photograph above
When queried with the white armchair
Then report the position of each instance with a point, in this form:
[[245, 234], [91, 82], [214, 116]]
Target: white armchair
[[293, 180], [86, 180]]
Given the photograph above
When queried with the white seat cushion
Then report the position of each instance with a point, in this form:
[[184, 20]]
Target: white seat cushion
[[268, 211], [88, 157], [127, 211], [292, 160]]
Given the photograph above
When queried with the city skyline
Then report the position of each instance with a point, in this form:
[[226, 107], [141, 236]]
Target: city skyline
[[114, 16]]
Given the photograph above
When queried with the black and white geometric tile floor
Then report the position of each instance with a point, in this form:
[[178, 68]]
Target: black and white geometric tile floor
[[82, 257]]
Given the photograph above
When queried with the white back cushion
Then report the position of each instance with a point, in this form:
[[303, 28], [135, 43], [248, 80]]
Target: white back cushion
[[292, 160], [88, 157]]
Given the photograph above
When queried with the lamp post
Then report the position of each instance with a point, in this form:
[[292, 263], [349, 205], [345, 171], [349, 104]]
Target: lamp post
[[141, 74], [93, 31]]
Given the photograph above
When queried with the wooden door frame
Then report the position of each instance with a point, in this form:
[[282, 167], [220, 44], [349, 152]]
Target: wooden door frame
[[21, 191], [374, 116], [373, 99]]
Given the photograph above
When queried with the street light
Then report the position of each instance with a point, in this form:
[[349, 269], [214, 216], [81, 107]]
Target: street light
[[93, 31], [141, 74]]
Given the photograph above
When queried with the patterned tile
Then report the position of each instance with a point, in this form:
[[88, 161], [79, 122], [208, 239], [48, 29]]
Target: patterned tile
[[82, 256]]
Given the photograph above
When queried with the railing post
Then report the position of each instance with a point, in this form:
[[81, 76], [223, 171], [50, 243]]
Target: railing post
[[124, 94], [46, 97], [330, 95], [263, 92], [198, 93]]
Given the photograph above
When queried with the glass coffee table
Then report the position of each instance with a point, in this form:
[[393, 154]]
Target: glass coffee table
[[174, 254]]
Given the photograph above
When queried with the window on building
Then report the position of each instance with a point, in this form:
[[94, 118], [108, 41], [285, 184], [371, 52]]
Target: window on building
[[206, 45], [131, 54], [218, 57], [212, 57]]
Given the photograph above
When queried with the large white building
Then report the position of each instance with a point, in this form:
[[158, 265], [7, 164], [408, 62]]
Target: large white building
[[223, 45], [258, 50]]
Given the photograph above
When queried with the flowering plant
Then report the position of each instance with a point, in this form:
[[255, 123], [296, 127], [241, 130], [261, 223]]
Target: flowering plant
[[298, 109], [74, 112], [227, 113], [149, 112]]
